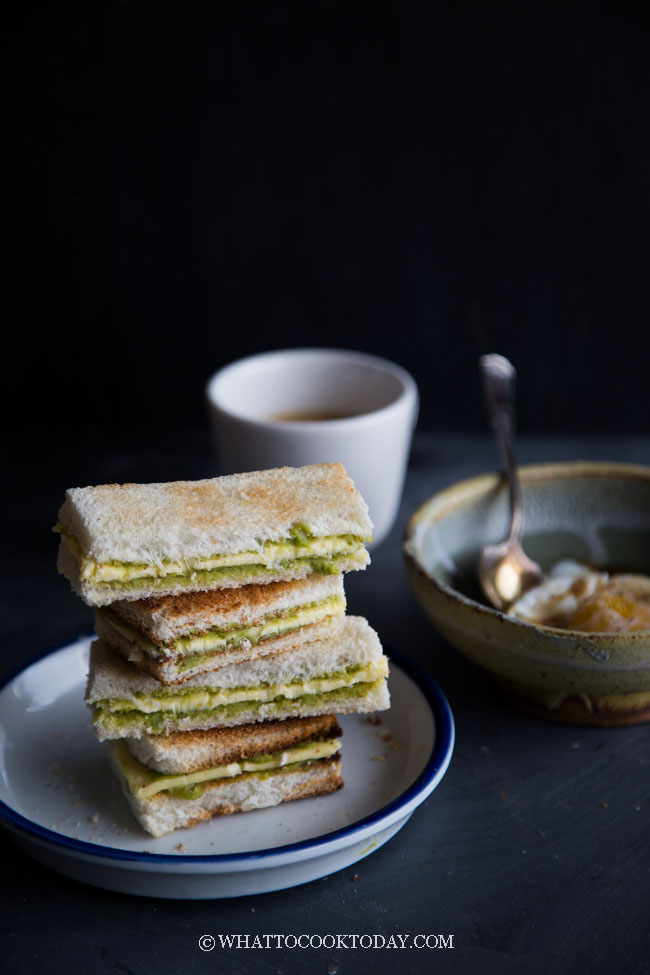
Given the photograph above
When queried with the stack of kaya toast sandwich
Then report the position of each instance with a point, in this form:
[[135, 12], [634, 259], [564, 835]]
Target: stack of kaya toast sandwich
[[224, 653]]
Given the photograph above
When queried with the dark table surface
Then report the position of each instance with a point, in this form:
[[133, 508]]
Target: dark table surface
[[532, 853]]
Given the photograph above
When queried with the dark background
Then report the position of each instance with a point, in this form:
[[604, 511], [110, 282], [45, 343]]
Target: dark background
[[189, 183]]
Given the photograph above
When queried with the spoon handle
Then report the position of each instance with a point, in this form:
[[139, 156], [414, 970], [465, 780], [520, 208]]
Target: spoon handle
[[499, 379]]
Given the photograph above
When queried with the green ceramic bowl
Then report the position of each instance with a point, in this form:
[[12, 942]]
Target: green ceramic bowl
[[595, 513]]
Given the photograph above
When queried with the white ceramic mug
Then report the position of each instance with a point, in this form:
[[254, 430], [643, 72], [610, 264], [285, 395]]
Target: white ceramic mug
[[309, 406]]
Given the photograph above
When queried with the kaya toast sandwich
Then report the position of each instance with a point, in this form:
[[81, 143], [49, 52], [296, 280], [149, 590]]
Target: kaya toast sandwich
[[132, 541], [175, 637], [178, 780], [344, 671]]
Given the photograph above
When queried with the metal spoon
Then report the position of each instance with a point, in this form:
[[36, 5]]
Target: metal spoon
[[505, 571]]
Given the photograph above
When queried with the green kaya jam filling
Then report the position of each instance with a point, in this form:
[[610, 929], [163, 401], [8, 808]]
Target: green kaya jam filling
[[322, 565], [120, 724]]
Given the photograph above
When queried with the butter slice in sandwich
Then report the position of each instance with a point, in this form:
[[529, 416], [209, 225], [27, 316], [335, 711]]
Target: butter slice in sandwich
[[344, 671], [175, 637], [131, 541], [177, 780]]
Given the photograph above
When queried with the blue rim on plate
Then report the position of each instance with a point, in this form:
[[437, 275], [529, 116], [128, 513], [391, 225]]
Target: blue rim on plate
[[428, 778]]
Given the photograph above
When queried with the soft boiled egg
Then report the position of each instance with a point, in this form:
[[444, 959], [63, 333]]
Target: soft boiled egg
[[577, 597]]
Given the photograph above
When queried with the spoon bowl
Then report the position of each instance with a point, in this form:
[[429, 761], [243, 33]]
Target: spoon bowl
[[505, 571]]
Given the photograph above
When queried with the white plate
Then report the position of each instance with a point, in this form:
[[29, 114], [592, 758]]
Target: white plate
[[65, 808]]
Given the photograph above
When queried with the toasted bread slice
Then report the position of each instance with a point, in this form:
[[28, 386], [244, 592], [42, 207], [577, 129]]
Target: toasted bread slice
[[345, 671], [174, 638], [180, 668], [188, 751], [164, 813], [165, 619], [131, 541]]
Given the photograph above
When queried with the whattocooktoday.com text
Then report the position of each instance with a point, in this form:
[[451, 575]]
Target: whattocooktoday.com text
[[209, 942]]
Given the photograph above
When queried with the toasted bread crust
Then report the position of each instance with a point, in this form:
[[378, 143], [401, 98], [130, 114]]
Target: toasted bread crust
[[191, 751], [163, 618], [219, 602]]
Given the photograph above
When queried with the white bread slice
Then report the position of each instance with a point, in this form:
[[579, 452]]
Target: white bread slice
[[190, 751], [172, 670], [152, 523], [166, 618], [163, 813], [351, 642]]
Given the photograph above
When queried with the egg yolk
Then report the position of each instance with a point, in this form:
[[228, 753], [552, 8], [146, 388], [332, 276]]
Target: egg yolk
[[613, 610]]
